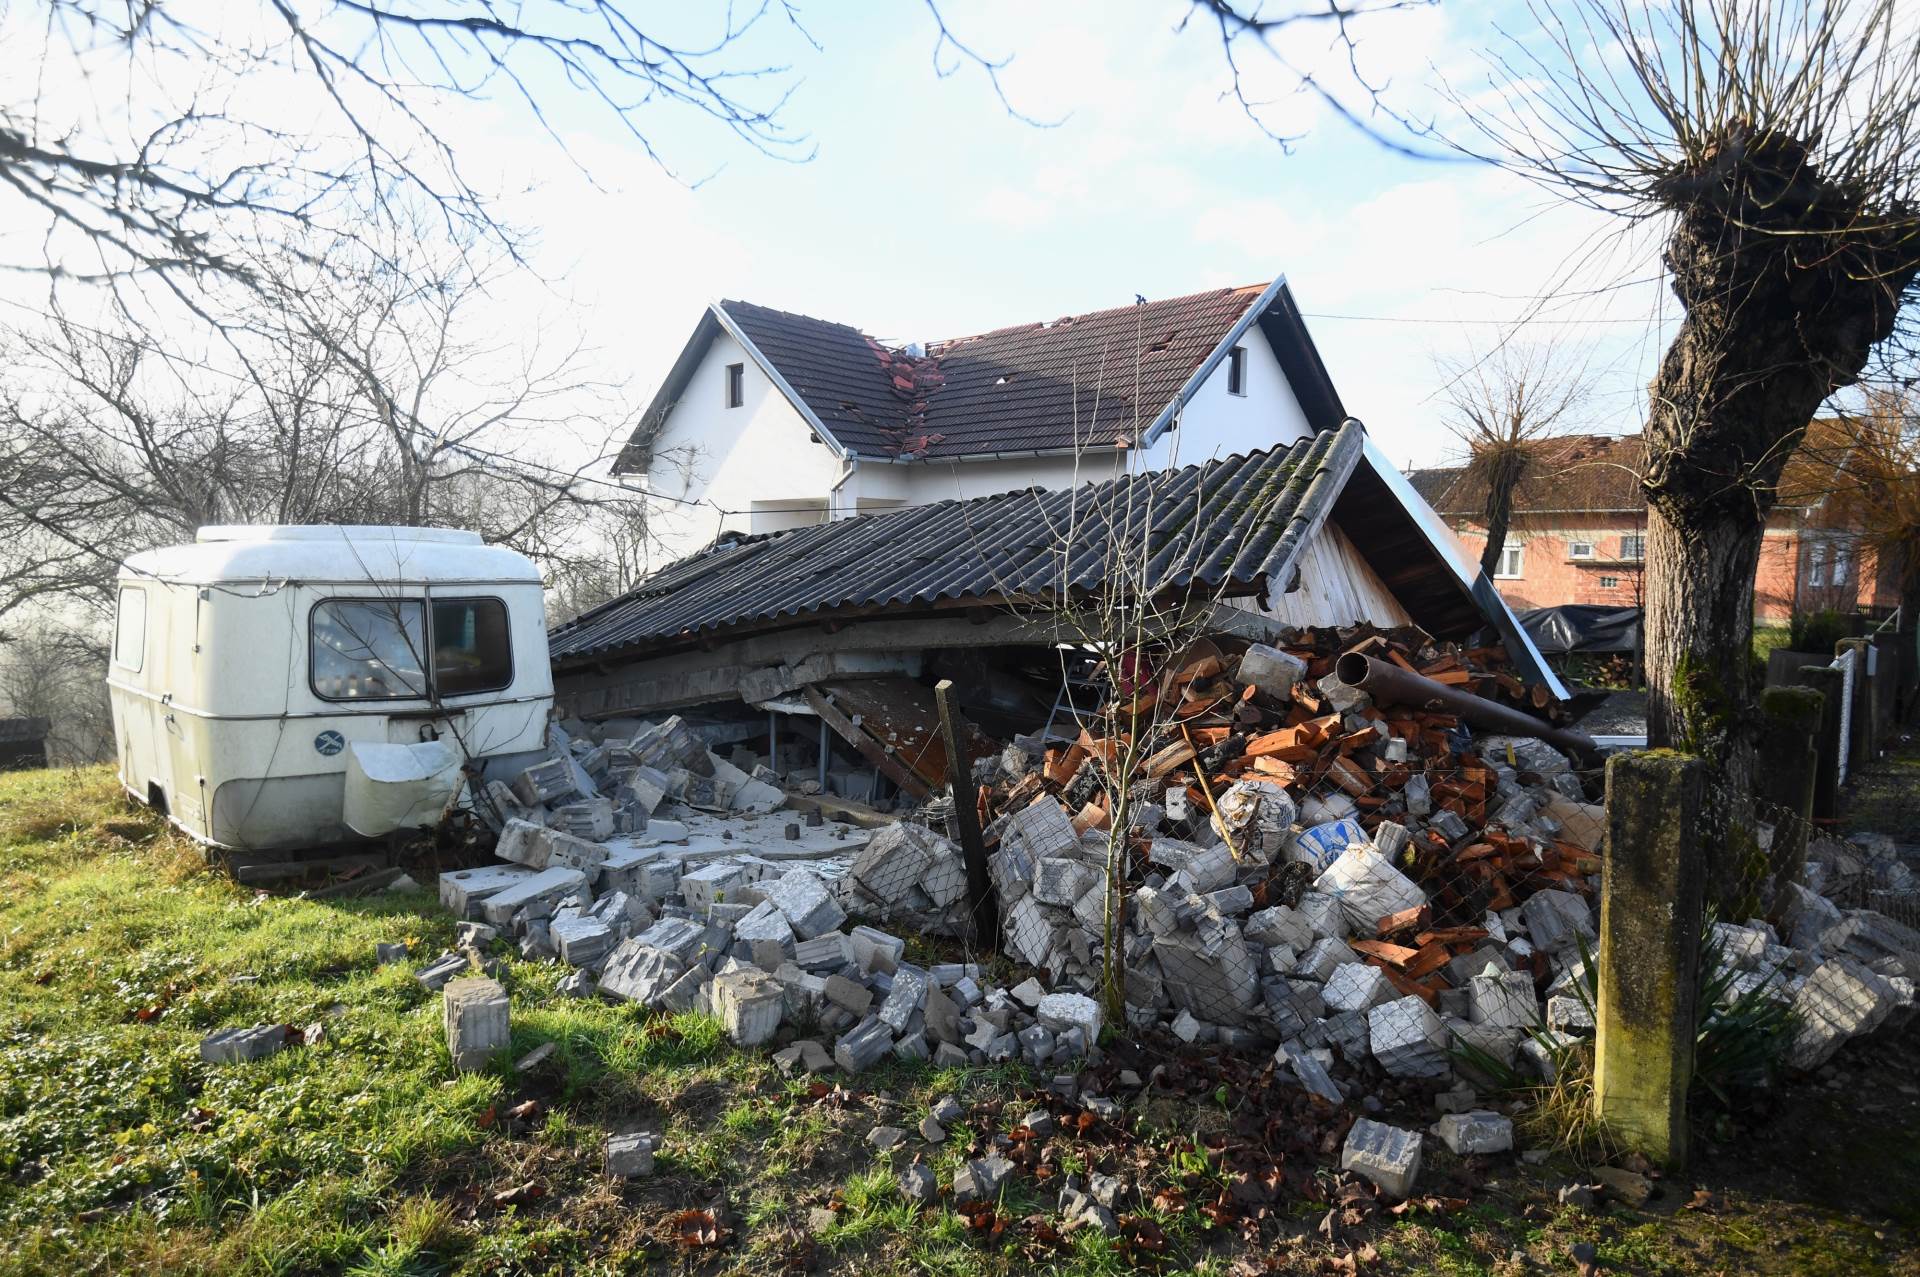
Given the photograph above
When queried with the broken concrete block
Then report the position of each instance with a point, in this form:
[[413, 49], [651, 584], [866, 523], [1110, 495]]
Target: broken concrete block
[[1042, 829], [524, 843], [684, 938], [1569, 1014], [1310, 1073], [1278, 926], [1324, 958], [1504, 1000], [542, 891], [876, 951], [476, 1021], [919, 1185], [566, 851], [1387, 1155], [908, 995], [804, 900], [1216, 981], [1339, 695], [462, 891], [385, 953], [434, 976], [1030, 933], [711, 884], [227, 1046], [1556, 919], [862, 1046], [1368, 888], [581, 941], [1347, 1033], [1477, 1132], [1324, 915], [1841, 999], [849, 995], [829, 952], [545, 782], [1271, 670], [1408, 1039], [638, 972], [980, 1179], [1356, 986], [749, 1004], [1061, 881], [629, 1156], [1063, 1011], [804, 1056]]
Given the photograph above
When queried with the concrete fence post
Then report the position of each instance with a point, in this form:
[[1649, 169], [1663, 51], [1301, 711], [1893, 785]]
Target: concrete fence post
[[1786, 773], [1651, 905], [1832, 685], [1865, 730]]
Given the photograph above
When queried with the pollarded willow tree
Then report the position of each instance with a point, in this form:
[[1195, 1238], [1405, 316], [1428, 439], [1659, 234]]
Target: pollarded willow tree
[[1779, 146]]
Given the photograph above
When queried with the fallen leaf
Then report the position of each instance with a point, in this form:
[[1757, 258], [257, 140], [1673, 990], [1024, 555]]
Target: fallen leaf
[[520, 1195], [525, 1111], [1704, 1200], [697, 1229]]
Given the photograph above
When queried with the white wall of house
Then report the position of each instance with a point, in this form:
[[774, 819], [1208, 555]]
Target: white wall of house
[[1218, 423], [760, 461], [754, 468]]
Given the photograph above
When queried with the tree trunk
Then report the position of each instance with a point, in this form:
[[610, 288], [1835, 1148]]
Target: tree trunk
[[1699, 637], [1496, 537], [1787, 289]]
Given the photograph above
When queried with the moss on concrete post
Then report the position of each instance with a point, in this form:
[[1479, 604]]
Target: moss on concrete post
[[1786, 771], [1831, 684], [1650, 920]]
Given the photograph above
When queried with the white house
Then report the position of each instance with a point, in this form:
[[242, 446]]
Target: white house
[[770, 420]]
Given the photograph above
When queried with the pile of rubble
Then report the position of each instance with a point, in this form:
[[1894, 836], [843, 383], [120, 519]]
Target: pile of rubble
[[669, 878], [1360, 886], [1362, 889]]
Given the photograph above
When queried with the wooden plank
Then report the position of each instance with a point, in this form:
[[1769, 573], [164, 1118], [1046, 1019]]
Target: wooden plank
[[986, 923], [868, 748]]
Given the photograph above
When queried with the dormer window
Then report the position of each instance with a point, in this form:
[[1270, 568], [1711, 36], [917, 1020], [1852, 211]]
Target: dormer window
[[1237, 371], [736, 385]]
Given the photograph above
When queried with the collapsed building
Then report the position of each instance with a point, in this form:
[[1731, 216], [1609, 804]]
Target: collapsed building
[[1336, 821], [823, 642]]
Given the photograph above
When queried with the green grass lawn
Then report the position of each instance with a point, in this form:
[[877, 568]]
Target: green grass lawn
[[364, 1153]]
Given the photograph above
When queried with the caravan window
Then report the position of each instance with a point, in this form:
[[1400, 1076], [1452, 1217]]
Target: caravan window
[[369, 649], [471, 651], [130, 629]]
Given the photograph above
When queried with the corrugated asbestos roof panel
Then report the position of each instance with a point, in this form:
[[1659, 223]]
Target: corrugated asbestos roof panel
[[1226, 525]]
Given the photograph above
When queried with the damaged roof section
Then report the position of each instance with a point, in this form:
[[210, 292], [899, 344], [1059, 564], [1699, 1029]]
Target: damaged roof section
[[1108, 378], [1230, 527]]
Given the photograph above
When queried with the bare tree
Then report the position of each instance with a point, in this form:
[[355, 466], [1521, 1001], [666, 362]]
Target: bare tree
[[55, 671], [1499, 407], [1780, 146], [1875, 473], [190, 143], [363, 396]]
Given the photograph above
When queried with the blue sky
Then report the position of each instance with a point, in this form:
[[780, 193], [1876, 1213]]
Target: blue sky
[[928, 212]]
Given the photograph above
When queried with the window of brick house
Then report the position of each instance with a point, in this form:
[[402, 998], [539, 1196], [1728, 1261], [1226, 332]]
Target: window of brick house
[[1512, 562]]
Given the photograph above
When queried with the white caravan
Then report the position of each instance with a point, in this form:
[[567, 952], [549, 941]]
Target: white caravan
[[274, 687]]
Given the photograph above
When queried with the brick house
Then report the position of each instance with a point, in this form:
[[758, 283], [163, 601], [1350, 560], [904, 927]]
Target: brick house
[[1578, 533]]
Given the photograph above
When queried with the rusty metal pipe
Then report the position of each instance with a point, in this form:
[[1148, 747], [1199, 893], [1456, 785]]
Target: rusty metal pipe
[[1392, 685]]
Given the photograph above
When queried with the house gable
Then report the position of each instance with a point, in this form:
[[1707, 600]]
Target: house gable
[[759, 466]]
